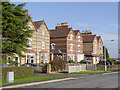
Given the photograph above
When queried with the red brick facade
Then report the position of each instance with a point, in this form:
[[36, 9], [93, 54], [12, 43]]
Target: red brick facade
[[65, 40]]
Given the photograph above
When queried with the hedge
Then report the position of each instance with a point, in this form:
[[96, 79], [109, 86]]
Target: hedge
[[18, 71]]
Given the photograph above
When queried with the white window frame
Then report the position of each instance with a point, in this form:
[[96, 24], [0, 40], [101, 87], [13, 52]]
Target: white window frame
[[29, 27], [95, 50], [53, 47], [46, 58], [78, 48], [71, 47], [71, 37], [8, 60], [41, 58], [29, 43], [43, 32], [78, 38], [43, 45], [32, 58]]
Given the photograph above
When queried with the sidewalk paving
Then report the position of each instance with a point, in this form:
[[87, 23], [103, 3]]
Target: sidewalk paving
[[66, 77]]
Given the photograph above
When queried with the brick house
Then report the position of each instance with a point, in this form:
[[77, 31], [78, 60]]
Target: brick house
[[92, 47], [39, 50], [78, 46], [42, 42], [100, 47], [63, 39]]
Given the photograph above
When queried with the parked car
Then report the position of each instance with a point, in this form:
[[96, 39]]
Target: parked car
[[85, 62], [4, 64], [103, 63], [31, 64]]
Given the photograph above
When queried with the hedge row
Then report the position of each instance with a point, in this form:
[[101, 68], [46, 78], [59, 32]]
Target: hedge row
[[18, 71]]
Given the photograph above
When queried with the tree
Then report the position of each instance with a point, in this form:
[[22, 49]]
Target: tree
[[15, 32], [107, 54]]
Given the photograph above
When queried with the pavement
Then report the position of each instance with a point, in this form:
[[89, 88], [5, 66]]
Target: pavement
[[67, 77]]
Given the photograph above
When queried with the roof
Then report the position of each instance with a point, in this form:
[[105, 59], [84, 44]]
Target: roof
[[98, 37], [38, 23], [76, 32], [55, 51], [63, 32], [88, 38], [30, 51]]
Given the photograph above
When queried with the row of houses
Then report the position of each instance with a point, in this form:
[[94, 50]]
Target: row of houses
[[62, 42]]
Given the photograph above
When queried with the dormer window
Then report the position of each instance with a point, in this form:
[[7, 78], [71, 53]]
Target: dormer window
[[78, 38], [29, 43], [43, 32], [71, 37], [43, 45], [29, 27], [53, 45]]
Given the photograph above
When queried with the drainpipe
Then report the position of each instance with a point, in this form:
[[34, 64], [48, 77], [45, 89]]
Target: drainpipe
[[36, 44]]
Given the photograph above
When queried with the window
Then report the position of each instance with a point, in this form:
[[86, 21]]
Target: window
[[95, 50], [29, 43], [53, 46], [78, 38], [16, 59], [27, 58], [29, 27], [100, 50], [95, 42], [41, 58], [71, 47], [78, 48], [32, 59], [9, 59], [71, 37], [43, 45], [43, 32], [46, 58]]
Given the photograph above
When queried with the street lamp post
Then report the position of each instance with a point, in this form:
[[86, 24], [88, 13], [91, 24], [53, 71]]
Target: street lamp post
[[105, 56]]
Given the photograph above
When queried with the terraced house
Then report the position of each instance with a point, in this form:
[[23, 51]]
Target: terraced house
[[92, 47], [66, 43]]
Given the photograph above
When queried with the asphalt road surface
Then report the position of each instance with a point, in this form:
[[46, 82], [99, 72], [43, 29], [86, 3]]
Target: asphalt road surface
[[98, 81]]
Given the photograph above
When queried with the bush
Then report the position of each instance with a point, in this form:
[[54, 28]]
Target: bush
[[57, 64], [71, 61], [110, 60], [83, 60], [18, 71], [13, 63]]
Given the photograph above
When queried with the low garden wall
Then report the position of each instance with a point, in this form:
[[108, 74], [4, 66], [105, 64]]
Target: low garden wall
[[18, 71], [76, 67]]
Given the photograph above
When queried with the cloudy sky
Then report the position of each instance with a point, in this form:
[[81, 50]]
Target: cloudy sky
[[99, 17]]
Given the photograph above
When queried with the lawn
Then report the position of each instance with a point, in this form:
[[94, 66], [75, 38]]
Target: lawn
[[30, 79], [85, 72], [116, 69]]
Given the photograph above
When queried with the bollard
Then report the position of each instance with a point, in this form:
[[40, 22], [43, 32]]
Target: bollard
[[10, 77]]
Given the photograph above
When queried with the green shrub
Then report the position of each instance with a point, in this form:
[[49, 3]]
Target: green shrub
[[18, 71], [71, 61], [4, 60], [13, 63], [110, 60], [83, 60], [57, 64]]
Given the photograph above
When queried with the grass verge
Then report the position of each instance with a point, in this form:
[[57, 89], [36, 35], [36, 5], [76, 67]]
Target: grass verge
[[115, 69], [85, 72], [30, 79]]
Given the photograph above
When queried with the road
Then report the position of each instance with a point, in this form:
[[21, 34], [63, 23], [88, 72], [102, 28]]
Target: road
[[98, 81]]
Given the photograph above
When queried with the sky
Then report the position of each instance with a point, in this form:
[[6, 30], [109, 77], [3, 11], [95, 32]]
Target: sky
[[99, 17]]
